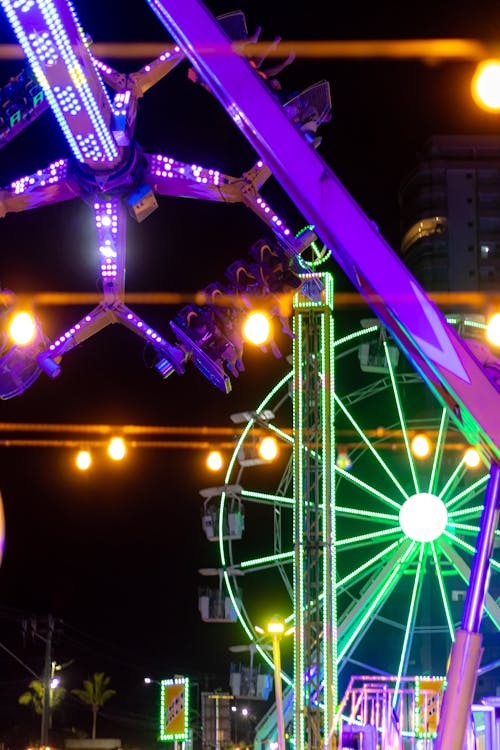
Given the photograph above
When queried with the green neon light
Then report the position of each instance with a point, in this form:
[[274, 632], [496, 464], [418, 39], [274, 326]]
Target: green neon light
[[401, 419], [375, 602], [475, 324], [459, 542], [371, 490], [240, 614], [299, 715], [368, 537], [174, 709], [466, 512], [355, 335], [417, 583], [258, 561], [472, 490], [283, 435], [467, 527], [456, 474], [342, 510], [275, 499], [438, 452], [357, 573], [370, 447], [446, 605]]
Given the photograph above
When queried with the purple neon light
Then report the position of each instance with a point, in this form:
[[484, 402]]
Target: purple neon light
[[121, 103], [106, 219], [52, 174], [69, 334], [275, 219], [51, 37], [166, 166], [145, 330]]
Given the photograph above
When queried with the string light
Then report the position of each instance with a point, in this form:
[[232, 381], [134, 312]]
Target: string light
[[83, 460], [420, 446], [214, 461], [116, 449]]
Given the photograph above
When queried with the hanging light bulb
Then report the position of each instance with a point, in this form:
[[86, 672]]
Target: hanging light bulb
[[268, 449], [472, 458], [22, 328], [214, 461], [83, 460], [257, 328], [420, 446], [116, 449]]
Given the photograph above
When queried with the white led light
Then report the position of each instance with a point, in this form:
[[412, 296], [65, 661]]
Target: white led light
[[423, 517]]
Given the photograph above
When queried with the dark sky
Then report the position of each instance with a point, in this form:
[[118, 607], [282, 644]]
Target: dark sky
[[115, 553]]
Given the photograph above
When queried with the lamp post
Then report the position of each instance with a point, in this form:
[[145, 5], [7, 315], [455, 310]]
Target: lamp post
[[276, 629]]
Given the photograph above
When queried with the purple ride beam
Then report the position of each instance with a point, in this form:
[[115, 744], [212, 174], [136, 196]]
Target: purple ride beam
[[434, 348]]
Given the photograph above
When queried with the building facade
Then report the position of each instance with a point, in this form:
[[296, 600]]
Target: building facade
[[450, 214]]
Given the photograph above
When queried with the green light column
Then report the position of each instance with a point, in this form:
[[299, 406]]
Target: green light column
[[315, 657]]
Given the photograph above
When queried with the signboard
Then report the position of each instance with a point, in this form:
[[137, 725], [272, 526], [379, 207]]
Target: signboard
[[174, 709], [428, 700]]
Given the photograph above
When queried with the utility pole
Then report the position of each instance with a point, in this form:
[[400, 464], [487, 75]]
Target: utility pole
[[47, 677]]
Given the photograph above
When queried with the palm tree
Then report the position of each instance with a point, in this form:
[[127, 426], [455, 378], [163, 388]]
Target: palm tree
[[95, 693], [34, 696]]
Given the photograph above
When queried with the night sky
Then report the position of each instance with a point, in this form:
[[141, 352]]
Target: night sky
[[114, 553]]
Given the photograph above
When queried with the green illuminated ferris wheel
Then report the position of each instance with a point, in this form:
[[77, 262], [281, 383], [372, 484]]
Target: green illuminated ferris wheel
[[405, 526]]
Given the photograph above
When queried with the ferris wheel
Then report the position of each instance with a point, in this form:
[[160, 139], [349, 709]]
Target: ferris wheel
[[402, 575]]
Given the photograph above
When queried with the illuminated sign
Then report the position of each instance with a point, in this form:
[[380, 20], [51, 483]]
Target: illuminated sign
[[174, 709]]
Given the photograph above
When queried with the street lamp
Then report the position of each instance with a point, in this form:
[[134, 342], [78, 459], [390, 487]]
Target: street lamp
[[276, 629]]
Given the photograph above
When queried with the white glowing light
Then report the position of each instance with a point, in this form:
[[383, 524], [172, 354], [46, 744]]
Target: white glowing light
[[257, 328], [214, 460], [420, 446], [116, 449], [22, 328], [486, 85], [472, 458], [83, 460], [423, 517], [268, 448], [493, 329]]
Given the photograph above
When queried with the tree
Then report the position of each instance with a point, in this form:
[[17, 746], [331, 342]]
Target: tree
[[95, 693], [34, 696]]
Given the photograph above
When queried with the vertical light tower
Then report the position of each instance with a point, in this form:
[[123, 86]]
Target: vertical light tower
[[315, 657]]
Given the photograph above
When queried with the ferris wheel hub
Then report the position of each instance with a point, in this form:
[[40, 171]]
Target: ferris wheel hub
[[423, 517]]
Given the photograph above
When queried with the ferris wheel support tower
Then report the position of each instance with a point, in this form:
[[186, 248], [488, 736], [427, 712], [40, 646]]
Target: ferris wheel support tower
[[315, 644]]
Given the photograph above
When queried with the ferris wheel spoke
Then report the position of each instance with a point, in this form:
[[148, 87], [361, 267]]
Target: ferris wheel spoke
[[469, 492], [356, 617], [268, 561], [438, 453], [491, 608], [410, 621], [466, 529], [372, 538], [367, 487], [474, 510], [285, 436], [342, 510], [267, 499], [375, 454], [360, 571], [399, 407], [460, 542], [442, 589], [453, 479]]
